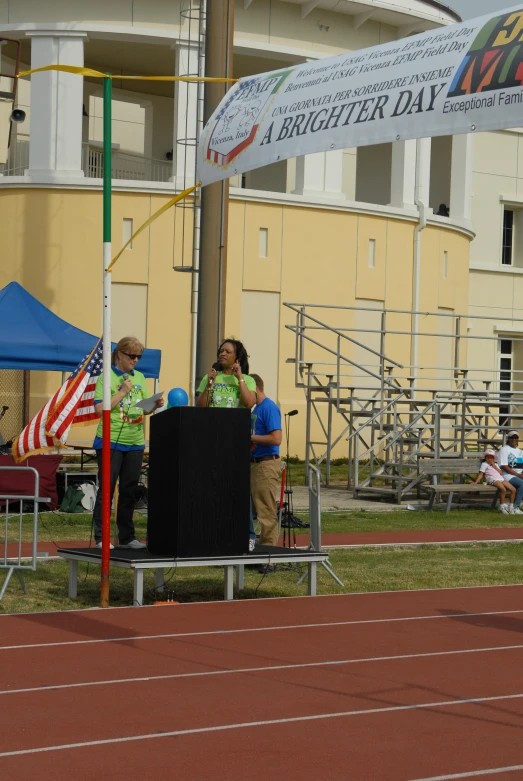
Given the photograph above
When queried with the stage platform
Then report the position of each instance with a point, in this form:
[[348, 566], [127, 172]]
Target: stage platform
[[140, 560]]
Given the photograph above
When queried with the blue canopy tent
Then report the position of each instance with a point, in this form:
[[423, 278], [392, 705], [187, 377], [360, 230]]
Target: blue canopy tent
[[33, 337]]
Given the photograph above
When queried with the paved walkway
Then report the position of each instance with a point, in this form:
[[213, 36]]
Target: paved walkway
[[341, 499]]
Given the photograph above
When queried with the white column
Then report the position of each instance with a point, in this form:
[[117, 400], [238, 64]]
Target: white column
[[422, 188], [185, 116], [320, 175], [56, 107], [6, 106], [403, 174], [461, 177]]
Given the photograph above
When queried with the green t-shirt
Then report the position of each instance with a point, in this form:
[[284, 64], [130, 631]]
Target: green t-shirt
[[225, 391], [127, 427]]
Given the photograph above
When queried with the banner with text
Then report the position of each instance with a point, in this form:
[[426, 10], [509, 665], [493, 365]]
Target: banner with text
[[462, 78]]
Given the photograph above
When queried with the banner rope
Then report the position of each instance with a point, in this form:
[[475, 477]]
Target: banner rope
[[99, 75], [152, 218]]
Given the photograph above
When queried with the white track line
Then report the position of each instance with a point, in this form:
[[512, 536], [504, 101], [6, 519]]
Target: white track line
[[175, 635], [265, 723], [474, 773], [268, 668]]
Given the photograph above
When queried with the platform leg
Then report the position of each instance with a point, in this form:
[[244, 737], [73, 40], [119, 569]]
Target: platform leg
[[22, 581], [138, 588], [449, 503], [302, 577], [240, 577], [73, 579], [331, 572], [312, 567], [228, 582], [6, 581], [159, 580]]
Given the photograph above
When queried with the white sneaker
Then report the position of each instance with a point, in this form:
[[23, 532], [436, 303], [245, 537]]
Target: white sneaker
[[511, 509], [503, 508], [99, 545], [517, 511], [252, 543]]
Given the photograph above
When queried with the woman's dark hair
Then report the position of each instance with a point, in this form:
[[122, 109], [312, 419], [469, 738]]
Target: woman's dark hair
[[241, 354]]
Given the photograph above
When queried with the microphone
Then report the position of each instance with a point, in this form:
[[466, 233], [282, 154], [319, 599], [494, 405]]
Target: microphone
[[125, 377], [218, 367], [210, 380], [292, 413]]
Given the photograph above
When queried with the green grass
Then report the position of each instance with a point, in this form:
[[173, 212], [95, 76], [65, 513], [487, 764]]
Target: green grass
[[407, 520], [338, 475], [62, 527], [363, 570]]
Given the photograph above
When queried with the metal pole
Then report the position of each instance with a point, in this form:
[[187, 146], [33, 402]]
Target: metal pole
[[215, 197], [382, 365], [437, 431], [106, 415], [308, 446], [329, 431], [457, 339], [422, 223]]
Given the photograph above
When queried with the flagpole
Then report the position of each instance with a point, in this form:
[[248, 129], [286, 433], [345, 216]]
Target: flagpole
[[106, 415]]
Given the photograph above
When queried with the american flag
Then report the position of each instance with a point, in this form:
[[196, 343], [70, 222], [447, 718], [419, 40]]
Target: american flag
[[72, 403]]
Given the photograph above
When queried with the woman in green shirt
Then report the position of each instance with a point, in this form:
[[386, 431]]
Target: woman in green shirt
[[127, 438], [230, 385]]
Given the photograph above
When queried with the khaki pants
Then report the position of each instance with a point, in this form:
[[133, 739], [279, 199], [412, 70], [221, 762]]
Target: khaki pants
[[265, 487]]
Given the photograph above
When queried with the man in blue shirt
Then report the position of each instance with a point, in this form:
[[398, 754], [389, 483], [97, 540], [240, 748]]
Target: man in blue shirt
[[266, 464]]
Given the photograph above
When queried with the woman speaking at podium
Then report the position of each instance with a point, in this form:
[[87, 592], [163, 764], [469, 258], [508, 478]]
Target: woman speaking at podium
[[127, 438], [228, 383]]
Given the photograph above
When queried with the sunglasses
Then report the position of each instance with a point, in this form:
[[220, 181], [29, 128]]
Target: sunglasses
[[133, 356]]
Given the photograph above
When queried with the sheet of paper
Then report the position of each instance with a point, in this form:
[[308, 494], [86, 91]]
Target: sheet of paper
[[149, 404]]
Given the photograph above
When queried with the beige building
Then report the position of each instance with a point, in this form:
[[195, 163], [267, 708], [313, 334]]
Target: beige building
[[355, 229]]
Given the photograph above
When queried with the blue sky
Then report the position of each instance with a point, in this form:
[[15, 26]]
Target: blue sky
[[470, 8]]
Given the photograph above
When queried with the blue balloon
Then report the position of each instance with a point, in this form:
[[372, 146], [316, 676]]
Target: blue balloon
[[177, 397]]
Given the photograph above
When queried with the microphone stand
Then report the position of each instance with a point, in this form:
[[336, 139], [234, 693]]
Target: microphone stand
[[289, 520]]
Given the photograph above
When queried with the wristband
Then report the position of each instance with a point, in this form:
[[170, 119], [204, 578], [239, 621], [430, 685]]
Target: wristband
[[242, 380]]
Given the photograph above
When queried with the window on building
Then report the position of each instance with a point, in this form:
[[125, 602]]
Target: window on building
[[508, 238], [506, 359], [127, 231], [372, 253], [129, 315], [445, 265], [263, 245]]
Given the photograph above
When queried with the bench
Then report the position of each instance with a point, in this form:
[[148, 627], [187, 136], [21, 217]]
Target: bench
[[455, 466]]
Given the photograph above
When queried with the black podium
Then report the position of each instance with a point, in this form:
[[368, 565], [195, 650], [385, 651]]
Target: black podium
[[199, 482]]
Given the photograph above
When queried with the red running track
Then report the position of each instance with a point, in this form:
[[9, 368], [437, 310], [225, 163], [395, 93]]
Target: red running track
[[367, 687], [345, 539]]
